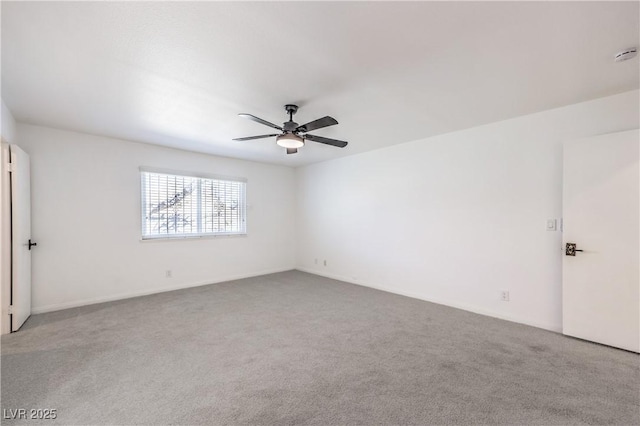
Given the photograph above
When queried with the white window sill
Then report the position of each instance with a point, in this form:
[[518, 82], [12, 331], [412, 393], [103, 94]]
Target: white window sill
[[190, 237]]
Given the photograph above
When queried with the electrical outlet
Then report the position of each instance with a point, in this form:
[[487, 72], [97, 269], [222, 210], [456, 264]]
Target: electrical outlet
[[168, 273], [504, 295], [325, 262]]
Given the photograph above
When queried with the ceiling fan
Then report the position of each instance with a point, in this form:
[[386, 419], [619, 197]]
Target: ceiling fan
[[293, 136]]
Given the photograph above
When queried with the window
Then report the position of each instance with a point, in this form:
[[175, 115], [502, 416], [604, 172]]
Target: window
[[175, 205]]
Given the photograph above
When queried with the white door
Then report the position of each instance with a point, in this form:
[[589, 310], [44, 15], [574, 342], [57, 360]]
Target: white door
[[601, 282], [21, 243]]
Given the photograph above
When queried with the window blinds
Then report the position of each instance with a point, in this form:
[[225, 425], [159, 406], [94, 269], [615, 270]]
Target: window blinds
[[183, 206]]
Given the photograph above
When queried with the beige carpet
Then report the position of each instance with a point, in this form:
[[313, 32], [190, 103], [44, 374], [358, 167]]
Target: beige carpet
[[294, 348]]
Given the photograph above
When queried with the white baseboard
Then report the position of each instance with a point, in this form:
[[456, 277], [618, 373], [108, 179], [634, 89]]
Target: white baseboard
[[121, 296], [465, 307]]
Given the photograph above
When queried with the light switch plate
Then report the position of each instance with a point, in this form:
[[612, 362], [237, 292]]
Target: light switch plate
[[552, 224]]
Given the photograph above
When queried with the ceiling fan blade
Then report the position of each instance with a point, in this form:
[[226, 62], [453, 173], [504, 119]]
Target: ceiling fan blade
[[317, 124], [292, 150], [259, 120], [248, 138], [334, 142]]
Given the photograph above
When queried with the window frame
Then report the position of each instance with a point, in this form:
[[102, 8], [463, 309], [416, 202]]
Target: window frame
[[188, 174]]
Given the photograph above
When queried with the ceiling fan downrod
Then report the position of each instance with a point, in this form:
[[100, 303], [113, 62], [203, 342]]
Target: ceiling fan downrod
[[291, 126]]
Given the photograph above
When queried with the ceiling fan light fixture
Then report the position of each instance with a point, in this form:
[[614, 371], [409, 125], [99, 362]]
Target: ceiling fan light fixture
[[289, 140]]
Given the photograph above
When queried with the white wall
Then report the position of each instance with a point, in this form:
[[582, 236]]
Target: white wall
[[86, 221], [455, 218], [8, 129]]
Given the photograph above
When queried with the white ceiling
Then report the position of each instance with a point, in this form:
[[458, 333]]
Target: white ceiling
[[177, 73]]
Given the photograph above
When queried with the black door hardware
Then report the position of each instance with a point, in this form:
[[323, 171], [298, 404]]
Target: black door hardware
[[571, 249], [31, 244]]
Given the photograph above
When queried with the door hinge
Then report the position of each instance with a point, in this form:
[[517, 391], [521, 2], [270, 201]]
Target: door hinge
[[11, 167], [10, 309]]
